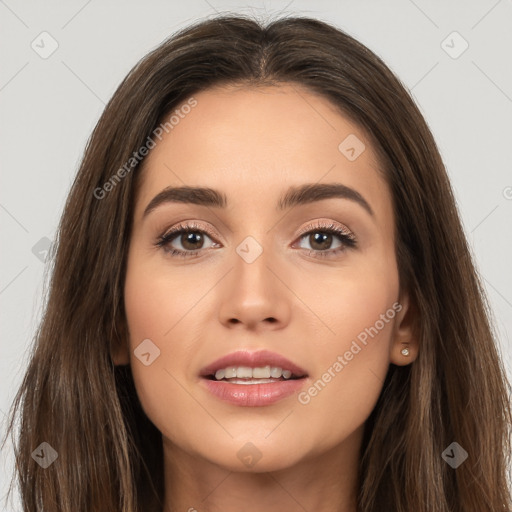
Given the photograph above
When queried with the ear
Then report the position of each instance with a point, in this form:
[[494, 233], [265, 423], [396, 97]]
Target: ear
[[404, 333]]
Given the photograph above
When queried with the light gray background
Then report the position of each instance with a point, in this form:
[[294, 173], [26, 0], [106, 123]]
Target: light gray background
[[48, 108]]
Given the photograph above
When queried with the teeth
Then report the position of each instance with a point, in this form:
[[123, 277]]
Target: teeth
[[229, 373], [251, 381], [260, 373], [276, 372], [245, 372]]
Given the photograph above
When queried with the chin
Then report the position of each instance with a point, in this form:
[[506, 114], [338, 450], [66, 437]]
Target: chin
[[254, 454], [276, 461]]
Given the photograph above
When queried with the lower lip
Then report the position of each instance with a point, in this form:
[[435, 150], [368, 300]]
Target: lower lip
[[253, 395]]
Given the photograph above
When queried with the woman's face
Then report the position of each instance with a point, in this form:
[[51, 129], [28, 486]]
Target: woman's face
[[262, 269]]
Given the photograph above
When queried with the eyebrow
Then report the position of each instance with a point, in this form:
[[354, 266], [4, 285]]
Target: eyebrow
[[294, 196]]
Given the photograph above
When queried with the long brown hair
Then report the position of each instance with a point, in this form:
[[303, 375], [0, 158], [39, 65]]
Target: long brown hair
[[73, 397]]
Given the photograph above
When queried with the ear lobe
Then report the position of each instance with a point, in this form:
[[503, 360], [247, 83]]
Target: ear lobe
[[405, 334]]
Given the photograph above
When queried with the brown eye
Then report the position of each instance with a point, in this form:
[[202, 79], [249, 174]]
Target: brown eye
[[192, 240], [327, 240], [320, 241], [185, 240]]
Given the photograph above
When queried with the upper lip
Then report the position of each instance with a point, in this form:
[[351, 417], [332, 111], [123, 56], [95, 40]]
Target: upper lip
[[253, 360]]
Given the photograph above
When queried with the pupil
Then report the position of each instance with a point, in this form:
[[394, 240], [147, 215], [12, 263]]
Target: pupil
[[189, 239], [318, 238]]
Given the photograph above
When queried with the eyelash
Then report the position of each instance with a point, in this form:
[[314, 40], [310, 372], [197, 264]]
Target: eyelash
[[347, 238]]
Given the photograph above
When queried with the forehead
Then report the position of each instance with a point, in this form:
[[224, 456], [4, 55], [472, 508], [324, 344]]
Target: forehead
[[250, 142]]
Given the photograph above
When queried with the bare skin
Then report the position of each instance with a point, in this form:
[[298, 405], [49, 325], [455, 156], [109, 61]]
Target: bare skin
[[252, 145]]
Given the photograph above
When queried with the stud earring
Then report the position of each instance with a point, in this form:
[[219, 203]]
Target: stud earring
[[405, 351]]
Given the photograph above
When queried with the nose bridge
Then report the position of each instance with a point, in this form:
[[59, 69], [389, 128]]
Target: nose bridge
[[254, 294], [251, 274]]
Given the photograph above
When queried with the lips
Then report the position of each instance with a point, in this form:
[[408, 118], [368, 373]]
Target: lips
[[255, 391], [253, 359]]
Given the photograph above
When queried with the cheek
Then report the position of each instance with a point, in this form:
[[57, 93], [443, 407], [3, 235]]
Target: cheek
[[159, 302], [156, 310], [351, 359], [348, 301]]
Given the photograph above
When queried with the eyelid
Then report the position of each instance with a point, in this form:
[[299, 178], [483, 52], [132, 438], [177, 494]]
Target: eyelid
[[193, 225], [188, 226], [326, 224]]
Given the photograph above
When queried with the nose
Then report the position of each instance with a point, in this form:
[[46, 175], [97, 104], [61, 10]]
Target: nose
[[254, 295]]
